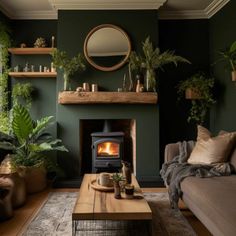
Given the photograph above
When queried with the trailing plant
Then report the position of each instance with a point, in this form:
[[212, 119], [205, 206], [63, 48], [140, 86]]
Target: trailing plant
[[203, 86], [68, 65], [22, 93], [28, 141], [152, 59], [5, 43], [229, 55]]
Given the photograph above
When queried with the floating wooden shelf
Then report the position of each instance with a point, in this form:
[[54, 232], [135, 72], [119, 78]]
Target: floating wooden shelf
[[74, 97], [33, 74], [25, 51]]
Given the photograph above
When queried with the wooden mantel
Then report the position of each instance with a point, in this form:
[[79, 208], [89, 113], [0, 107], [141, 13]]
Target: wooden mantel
[[74, 97]]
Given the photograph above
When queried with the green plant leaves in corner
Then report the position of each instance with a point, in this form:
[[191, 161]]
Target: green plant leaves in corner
[[22, 124], [233, 48]]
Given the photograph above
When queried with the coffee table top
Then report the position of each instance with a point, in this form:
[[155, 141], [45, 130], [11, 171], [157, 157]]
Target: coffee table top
[[97, 205]]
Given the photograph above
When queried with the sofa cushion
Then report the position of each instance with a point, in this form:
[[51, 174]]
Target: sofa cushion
[[210, 150], [213, 201]]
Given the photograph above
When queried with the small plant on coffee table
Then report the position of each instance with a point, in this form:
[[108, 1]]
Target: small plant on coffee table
[[116, 177]]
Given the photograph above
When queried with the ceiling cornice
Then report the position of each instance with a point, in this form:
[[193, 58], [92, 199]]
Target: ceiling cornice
[[84, 5], [56, 5], [106, 4], [206, 13]]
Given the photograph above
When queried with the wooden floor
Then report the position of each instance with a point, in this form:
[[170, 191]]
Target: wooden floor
[[22, 216]]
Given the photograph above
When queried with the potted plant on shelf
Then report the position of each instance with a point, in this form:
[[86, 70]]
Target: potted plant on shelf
[[229, 55], [152, 60], [198, 88], [68, 65], [29, 145]]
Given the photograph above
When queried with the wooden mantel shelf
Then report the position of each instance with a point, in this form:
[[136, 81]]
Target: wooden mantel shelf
[[74, 97], [25, 51]]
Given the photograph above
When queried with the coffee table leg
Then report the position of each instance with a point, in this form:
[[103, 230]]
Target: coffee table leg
[[74, 223]]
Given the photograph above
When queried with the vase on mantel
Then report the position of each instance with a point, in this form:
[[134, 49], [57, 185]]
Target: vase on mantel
[[67, 85], [234, 75], [150, 80]]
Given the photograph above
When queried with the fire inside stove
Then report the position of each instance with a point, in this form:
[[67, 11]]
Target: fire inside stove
[[108, 149]]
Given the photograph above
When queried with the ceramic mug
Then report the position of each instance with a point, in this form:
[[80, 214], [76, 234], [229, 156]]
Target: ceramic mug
[[129, 191], [105, 179]]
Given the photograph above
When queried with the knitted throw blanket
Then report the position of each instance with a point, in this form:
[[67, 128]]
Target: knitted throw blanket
[[176, 170]]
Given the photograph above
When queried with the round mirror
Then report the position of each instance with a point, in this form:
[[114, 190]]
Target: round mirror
[[107, 47]]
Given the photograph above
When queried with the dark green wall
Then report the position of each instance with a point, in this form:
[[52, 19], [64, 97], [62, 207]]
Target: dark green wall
[[222, 32], [190, 39], [27, 31], [73, 26]]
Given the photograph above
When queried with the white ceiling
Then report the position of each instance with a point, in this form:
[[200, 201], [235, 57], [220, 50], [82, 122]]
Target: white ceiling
[[169, 9]]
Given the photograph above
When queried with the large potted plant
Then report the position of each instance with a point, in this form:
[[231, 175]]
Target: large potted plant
[[152, 60], [229, 55], [68, 65], [29, 144], [198, 88]]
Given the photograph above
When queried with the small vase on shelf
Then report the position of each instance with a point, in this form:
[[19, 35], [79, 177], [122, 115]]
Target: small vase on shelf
[[67, 86], [150, 80]]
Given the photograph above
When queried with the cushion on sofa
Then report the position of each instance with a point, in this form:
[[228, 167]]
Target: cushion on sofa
[[210, 150], [213, 201]]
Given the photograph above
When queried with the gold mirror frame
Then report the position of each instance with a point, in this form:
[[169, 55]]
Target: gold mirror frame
[[108, 68]]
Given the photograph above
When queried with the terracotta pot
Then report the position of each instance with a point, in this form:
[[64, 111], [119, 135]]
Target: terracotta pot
[[192, 94], [35, 178], [234, 75]]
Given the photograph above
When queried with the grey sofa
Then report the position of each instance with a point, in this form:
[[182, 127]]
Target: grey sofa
[[212, 200]]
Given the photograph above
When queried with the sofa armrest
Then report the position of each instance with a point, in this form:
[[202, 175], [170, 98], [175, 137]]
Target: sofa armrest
[[171, 150]]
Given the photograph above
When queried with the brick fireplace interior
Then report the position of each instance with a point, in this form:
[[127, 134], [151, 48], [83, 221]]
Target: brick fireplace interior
[[89, 126]]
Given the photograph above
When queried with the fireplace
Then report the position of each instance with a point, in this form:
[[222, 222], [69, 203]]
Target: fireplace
[[107, 149]]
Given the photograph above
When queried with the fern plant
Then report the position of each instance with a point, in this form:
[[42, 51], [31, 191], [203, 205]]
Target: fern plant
[[28, 141], [152, 59], [68, 65]]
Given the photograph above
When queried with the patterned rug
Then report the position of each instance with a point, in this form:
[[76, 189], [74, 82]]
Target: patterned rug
[[54, 218]]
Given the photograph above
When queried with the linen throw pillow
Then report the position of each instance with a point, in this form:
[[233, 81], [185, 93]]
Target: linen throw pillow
[[211, 150]]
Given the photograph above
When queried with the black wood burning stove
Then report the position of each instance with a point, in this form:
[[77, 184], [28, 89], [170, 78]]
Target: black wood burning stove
[[107, 150]]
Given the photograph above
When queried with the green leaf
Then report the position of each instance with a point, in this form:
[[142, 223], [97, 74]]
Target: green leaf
[[22, 123], [233, 48], [41, 125], [7, 146]]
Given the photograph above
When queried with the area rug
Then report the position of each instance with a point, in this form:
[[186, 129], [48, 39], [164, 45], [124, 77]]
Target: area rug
[[54, 218]]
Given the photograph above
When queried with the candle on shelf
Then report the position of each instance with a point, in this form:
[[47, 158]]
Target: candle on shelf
[[53, 41], [94, 87]]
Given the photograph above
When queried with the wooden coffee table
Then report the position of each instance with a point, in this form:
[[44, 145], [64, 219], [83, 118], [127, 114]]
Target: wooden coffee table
[[94, 205]]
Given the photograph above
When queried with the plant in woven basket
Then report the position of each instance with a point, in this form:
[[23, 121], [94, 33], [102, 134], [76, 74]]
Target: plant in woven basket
[[203, 86], [29, 146]]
